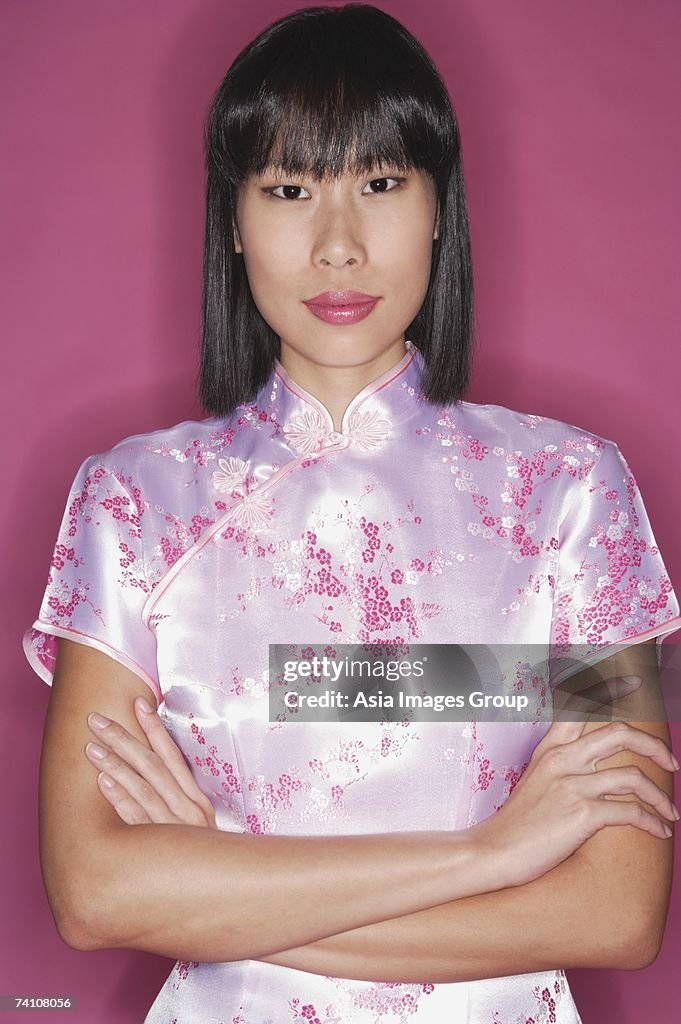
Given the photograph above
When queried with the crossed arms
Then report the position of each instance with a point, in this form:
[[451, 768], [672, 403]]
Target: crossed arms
[[393, 907]]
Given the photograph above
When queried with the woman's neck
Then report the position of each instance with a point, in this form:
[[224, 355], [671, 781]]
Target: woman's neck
[[335, 386]]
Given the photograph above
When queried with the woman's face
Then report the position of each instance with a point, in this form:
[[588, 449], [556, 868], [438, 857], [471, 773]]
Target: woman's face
[[301, 238]]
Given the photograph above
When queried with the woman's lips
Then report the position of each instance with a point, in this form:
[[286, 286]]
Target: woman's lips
[[341, 307]]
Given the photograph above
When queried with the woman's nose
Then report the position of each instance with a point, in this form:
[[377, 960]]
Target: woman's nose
[[337, 238]]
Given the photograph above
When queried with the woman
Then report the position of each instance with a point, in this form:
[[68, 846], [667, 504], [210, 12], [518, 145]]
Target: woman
[[342, 492]]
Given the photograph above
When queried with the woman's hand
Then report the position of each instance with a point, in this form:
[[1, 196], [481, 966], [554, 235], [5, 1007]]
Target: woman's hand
[[147, 784], [558, 803]]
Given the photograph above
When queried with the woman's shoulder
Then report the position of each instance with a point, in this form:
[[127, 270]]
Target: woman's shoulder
[[157, 463], [527, 433], [186, 441]]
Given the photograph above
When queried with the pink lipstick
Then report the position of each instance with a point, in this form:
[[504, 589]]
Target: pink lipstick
[[341, 307]]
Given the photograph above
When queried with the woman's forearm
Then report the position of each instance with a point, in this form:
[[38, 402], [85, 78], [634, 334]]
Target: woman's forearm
[[201, 894], [570, 917]]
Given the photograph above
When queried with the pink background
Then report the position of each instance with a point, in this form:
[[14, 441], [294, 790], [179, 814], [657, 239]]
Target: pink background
[[569, 120]]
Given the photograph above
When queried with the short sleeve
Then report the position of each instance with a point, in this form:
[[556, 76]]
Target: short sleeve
[[612, 586], [97, 582]]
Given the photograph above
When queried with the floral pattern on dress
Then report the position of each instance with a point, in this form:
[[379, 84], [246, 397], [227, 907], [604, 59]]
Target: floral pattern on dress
[[373, 595], [306, 1013], [367, 582], [547, 1001], [394, 1002], [182, 969], [102, 501], [608, 592]]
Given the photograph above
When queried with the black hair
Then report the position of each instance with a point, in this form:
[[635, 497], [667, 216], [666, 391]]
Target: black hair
[[324, 91]]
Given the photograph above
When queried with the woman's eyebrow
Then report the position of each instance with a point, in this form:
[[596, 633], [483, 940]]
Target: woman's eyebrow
[[379, 168]]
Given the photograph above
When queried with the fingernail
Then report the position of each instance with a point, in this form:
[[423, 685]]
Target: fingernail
[[106, 780], [99, 721], [631, 681], [675, 763], [142, 705], [95, 751], [676, 812], [667, 831]]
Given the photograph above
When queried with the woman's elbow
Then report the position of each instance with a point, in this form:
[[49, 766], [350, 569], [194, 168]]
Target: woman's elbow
[[643, 949], [81, 906], [638, 942], [76, 933]]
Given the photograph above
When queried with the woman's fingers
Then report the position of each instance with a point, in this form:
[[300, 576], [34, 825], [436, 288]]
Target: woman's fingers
[[630, 812], [161, 742], [562, 797], [612, 738], [126, 781], [629, 779], [143, 774], [126, 808], [617, 736]]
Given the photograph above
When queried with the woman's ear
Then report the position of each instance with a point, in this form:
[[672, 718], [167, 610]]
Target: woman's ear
[[436, 232], [237, 240]]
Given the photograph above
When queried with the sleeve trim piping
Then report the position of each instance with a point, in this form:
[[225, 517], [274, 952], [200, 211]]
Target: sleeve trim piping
[[71, 634], [606, 650]]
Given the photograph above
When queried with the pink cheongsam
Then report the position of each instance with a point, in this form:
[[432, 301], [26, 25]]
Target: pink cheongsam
[[183, 553]]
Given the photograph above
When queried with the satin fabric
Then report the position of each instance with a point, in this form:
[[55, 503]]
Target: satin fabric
[[183, 553]]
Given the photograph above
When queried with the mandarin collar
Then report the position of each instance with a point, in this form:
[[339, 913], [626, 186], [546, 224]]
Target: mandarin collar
[[373, 415]]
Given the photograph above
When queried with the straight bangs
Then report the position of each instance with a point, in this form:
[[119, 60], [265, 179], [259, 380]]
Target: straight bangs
[[323, 92], [334, 99]]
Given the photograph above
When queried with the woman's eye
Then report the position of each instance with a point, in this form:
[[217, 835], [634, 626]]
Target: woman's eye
[[292, 192], [381, 181], [287, 189]]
